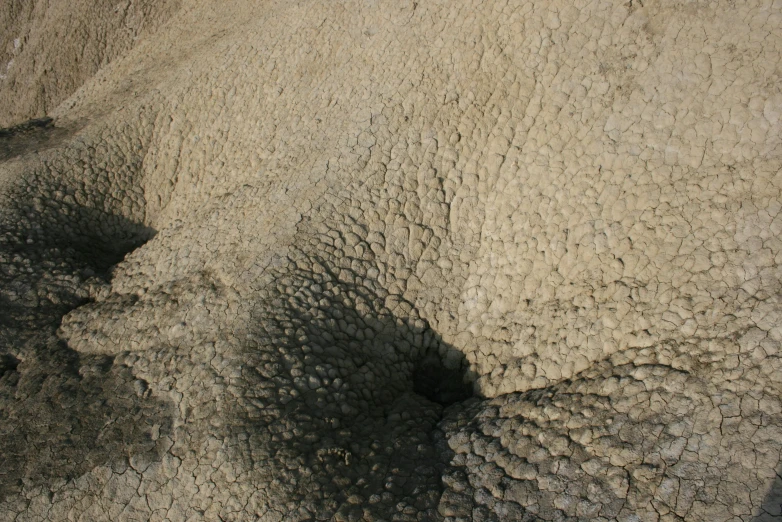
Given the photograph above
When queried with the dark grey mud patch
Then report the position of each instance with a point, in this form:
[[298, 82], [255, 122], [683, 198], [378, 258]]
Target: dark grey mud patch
[[64, 415], [27, 128], [32, 135]]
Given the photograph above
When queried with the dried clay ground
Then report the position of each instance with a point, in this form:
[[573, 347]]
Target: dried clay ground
[[405, 261]]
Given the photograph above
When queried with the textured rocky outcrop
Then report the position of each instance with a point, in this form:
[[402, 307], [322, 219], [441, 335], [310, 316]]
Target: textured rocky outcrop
[[402, 261]]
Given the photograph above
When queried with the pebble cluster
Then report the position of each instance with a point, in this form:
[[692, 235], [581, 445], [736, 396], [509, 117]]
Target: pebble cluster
[[403, 261]]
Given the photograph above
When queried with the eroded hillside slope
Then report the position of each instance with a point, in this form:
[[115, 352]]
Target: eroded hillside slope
[[49, 49], [403, 261]]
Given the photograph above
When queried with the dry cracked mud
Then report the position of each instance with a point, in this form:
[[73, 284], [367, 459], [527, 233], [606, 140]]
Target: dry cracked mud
[[404, 261]]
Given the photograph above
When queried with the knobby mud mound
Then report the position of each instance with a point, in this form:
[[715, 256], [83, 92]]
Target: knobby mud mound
[[410, 261]]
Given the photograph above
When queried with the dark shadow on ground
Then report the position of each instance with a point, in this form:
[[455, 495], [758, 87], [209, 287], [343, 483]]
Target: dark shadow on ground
[[63, 413], [345, 395], [438, 383], [52, 259], [771, 508]]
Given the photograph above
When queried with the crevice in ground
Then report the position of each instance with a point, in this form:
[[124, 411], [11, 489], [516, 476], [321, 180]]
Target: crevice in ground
[[439, 383]]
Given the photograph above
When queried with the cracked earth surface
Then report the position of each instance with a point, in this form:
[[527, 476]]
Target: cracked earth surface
[[412, 261]]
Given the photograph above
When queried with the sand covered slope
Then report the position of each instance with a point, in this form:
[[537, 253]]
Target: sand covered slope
[[410, 261]]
